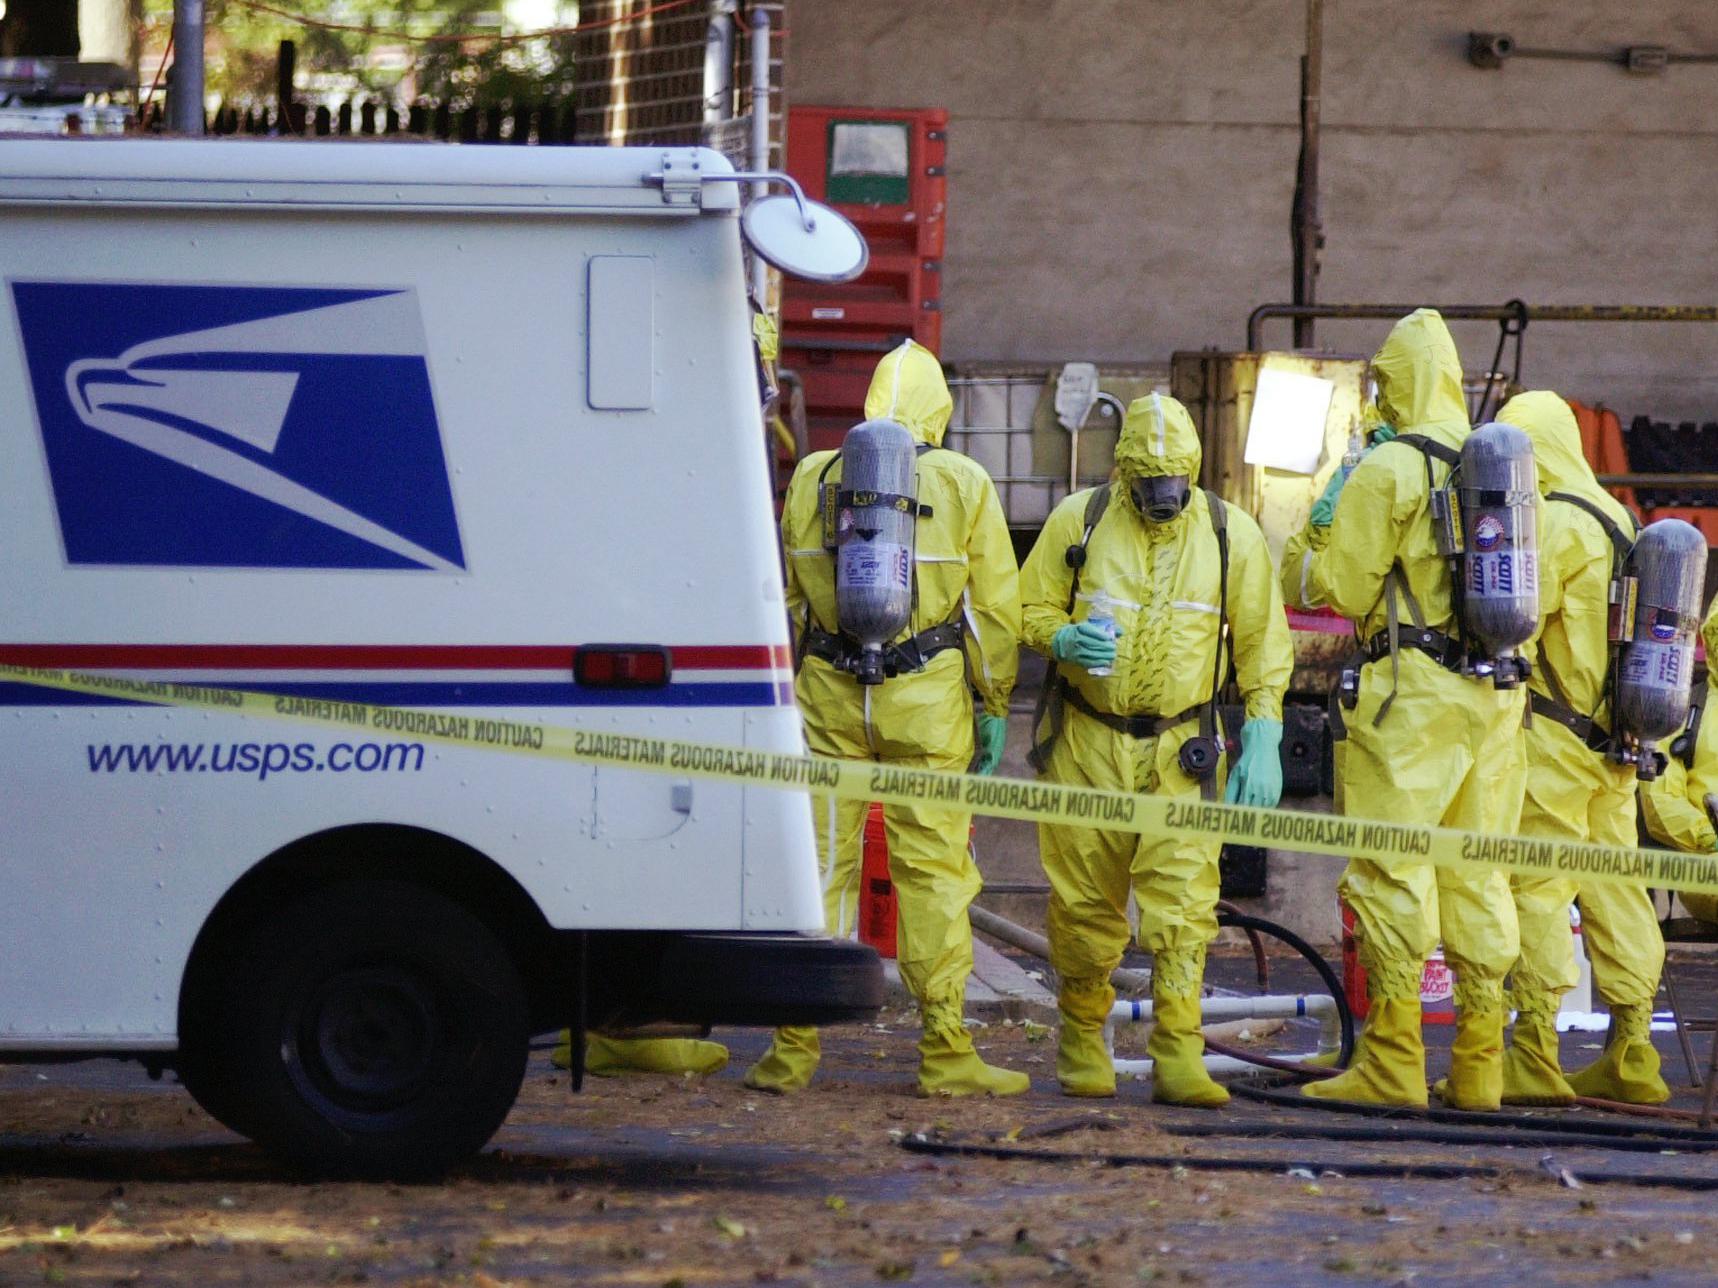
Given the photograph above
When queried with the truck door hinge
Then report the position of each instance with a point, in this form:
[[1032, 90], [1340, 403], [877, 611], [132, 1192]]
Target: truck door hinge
[[682, 180]]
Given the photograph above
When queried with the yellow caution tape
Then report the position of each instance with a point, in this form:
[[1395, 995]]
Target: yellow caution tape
[[1035, 802]]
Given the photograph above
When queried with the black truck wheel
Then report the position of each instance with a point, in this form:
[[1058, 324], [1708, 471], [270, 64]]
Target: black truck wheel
[[370, 1028]]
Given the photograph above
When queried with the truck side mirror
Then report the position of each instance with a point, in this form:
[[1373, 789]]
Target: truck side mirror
[[805, 238]]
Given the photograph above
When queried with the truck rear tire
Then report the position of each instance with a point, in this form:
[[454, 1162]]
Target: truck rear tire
[[369, 1028]]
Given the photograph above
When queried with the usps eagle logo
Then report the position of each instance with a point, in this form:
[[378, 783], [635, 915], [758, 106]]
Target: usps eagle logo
[[239, 426]]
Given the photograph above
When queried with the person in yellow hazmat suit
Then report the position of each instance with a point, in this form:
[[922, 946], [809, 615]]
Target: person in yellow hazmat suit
[[1128, 591], [965, 627], [1673, 806], [1575, 791], [1424, 743], [608, 1057]]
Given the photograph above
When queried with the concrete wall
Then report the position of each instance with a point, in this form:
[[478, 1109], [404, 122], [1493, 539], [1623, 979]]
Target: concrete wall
[[1121, 172]]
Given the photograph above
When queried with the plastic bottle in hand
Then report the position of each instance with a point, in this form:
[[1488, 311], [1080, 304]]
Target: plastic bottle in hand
[[1356, 449], [1102, 613]]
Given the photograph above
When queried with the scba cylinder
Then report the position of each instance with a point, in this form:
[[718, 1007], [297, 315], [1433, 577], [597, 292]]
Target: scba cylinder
[[1655, 671], [1499, 497], [874, 540]]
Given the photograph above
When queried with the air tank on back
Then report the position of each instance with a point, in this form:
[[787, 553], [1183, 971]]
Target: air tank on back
[[874, 541], [1499, 497], [1668, 570]]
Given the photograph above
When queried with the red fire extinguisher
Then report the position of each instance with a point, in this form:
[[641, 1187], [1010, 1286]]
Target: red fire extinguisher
[[876, 889]]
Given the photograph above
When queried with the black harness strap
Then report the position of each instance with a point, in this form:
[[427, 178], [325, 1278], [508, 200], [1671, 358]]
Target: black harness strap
[[1057, 693], [1050, 695], [832, 646], [1683, 745], [1396, 581], [1556, 706], [1208, 721]]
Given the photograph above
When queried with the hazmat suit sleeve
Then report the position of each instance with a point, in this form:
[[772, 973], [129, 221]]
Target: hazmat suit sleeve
[[793, 538], [1578, 588], [1296, 569], [1046, 577], [992, 608], [1673, 816], [1264, 650], [1364, 535]]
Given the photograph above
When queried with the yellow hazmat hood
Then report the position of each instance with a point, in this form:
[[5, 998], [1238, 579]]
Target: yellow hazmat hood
[[908, 388], [1419, 379], [1157, 438], [1561, 466]]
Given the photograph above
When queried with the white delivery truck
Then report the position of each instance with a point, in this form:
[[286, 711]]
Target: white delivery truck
[[469, 431]]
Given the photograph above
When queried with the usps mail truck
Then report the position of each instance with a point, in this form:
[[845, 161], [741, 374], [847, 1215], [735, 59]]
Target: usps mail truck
[[470, 432]]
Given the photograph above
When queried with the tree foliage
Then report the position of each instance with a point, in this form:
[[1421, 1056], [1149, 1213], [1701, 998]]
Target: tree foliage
[[243, 47]]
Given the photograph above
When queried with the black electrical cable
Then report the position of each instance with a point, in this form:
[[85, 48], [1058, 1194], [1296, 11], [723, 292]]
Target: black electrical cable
[[1299, 1127], [918, 1143], [1673, 1136], [1326, 974], [1433, 1135]]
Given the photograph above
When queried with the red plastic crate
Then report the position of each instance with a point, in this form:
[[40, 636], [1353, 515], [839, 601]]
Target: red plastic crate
[[834, 333]]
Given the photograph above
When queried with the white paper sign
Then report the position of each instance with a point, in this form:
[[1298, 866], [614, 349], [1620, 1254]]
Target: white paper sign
[[1286, 431]]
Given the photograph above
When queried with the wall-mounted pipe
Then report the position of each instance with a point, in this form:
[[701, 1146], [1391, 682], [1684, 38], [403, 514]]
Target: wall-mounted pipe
[[719, 66], [1306, 226], [1491, 49], [186, 95], [1482, 313]]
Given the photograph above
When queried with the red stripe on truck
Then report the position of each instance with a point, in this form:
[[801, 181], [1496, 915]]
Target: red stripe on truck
[[365, 657]]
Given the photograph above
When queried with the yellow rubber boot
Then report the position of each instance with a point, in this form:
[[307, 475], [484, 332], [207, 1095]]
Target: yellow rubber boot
[[1627, 1070], [1476, 1056], [948, 1065], [1084, 1066], [1532, 1073], [788, 1064], [607, 1057], [1176, 1045], [1389, 1061]]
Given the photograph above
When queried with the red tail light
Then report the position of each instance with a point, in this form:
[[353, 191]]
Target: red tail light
[[622, 666]]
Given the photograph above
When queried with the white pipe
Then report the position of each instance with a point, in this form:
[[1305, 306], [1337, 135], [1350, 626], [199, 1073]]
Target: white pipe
[[1319, 1006], [760, 133], [1214, 1064], [719, 63]]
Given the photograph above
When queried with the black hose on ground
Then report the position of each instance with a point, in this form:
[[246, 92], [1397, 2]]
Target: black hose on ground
[[1433, 1135], [1640, 1111], [919, 1143], [1479, 1134], [1672, 1135]]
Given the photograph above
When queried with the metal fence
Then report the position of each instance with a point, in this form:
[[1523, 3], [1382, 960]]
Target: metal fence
[[676, 78]]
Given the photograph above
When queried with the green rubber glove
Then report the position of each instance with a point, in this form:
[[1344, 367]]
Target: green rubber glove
[[992, 736], [1084, 645], [1324, 509], [1257, 778]]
